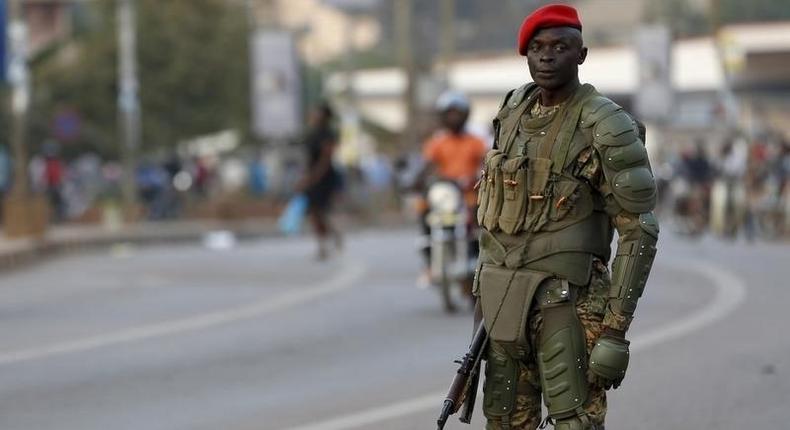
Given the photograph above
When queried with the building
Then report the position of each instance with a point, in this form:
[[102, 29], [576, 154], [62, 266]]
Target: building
[[750, 62], [48, 21], [324, 32]]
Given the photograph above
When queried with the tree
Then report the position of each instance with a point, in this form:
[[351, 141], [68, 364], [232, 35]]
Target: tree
[[736, 11], [192, 67]]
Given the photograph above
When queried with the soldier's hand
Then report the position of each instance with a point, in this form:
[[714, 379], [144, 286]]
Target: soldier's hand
[[608, 361]]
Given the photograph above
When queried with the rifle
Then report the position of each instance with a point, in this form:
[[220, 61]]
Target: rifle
[[463, 390]]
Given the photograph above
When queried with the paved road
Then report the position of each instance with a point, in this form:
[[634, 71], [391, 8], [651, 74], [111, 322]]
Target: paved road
[[262, 337]]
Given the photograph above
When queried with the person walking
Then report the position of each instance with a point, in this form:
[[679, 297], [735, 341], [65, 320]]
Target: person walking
[[322, 181]]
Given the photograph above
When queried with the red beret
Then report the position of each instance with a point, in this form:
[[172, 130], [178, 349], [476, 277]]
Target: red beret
[[553, 15]]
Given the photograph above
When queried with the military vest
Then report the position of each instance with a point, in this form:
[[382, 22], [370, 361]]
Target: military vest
[[534, 213]]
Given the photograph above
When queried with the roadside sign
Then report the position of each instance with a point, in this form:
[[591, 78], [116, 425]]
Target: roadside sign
[[276, 85], [653, 98]]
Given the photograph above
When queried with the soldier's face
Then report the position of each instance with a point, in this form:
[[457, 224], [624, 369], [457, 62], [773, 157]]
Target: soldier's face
[[554, 56]]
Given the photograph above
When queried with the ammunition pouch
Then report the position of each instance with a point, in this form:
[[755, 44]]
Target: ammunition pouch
[[519, 195], [514, 205], [490, 195]]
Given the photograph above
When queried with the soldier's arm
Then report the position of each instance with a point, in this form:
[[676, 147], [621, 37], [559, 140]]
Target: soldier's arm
[[628, 188], [629, 191]]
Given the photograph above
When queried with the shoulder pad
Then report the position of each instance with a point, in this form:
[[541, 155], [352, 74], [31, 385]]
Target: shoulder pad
[[625, 156], [596, 108], [519, 94], [507, 98], [635, 189], [617, 129]]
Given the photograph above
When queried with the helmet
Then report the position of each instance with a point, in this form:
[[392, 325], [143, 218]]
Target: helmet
[[452, 100]]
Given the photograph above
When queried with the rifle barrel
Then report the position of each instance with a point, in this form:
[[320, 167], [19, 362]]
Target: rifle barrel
[[447, 410]]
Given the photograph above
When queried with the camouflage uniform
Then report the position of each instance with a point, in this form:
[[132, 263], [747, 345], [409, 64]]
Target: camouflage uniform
[[548, 300], [590, 306]]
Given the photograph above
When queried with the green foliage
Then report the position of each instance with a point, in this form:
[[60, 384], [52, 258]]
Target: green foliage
[[737, 11], [192, 67]]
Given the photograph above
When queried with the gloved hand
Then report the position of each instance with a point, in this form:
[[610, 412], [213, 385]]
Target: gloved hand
[[609, 359]]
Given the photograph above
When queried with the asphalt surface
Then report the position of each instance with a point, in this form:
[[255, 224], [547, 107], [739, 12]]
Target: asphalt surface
[[262, 337]]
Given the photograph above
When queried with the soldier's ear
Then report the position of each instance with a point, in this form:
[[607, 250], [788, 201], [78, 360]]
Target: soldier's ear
[[582, 55]]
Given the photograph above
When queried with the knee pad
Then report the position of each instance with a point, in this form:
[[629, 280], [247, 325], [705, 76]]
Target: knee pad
[[575, 423], [562, 354], [499, 388]]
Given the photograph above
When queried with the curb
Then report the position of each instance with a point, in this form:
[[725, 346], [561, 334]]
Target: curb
[[27, 252], [23, 253]]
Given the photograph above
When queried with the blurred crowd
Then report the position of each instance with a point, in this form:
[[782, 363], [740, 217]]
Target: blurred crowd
[[739, 188], [87, 188], [742, 188]]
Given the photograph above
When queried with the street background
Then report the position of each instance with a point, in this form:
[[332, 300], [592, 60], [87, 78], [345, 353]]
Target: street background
[[149, 149]]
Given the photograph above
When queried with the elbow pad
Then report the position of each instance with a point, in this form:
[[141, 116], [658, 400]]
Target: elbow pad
[[631, 267]]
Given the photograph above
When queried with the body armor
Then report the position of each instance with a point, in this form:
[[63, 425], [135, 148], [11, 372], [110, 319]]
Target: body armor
[[542, 227]]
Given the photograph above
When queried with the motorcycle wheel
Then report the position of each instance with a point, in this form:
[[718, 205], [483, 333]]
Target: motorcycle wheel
[[446, 283]]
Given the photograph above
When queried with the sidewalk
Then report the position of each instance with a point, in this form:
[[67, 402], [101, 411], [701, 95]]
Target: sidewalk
[[18, 253], [61, 239]]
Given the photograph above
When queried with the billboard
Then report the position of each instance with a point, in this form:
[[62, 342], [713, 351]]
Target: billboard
[[654, 94], [276, 85]]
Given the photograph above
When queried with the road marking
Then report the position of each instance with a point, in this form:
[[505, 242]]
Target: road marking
[[349, 273], [730, 293]]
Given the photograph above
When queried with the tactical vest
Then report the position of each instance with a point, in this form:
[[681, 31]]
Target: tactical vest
[[534, 213]]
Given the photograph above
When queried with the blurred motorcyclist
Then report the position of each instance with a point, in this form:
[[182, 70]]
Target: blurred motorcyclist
[[454, 154]]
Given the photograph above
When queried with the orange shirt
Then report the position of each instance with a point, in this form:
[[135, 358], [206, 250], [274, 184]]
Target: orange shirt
[[457, 157]]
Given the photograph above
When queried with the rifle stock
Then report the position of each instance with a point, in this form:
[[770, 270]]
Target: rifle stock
[[463, 390]]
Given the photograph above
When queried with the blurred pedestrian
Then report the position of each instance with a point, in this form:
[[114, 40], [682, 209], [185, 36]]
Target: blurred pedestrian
[[691, 190], [728, 196], [322, 180], [202, 177], [54, 173]]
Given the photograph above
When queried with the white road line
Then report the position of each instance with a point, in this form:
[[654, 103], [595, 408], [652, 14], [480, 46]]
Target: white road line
[[730, 293], [350, 272]]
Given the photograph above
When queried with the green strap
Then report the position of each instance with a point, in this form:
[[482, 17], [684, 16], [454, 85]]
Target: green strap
[[565, 139], [514, 116], [547, 144], [563, 128]]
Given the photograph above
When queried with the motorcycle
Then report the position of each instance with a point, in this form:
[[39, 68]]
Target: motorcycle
[[689, 207], [452, 242]]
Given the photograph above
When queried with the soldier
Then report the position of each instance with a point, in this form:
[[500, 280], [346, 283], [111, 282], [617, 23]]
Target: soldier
[[568, 167]]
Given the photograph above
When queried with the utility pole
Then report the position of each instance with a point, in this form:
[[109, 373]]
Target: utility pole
[[348, 60], [24, 214], [18, 76], [128, 103], [404, 14], [447, 23]]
